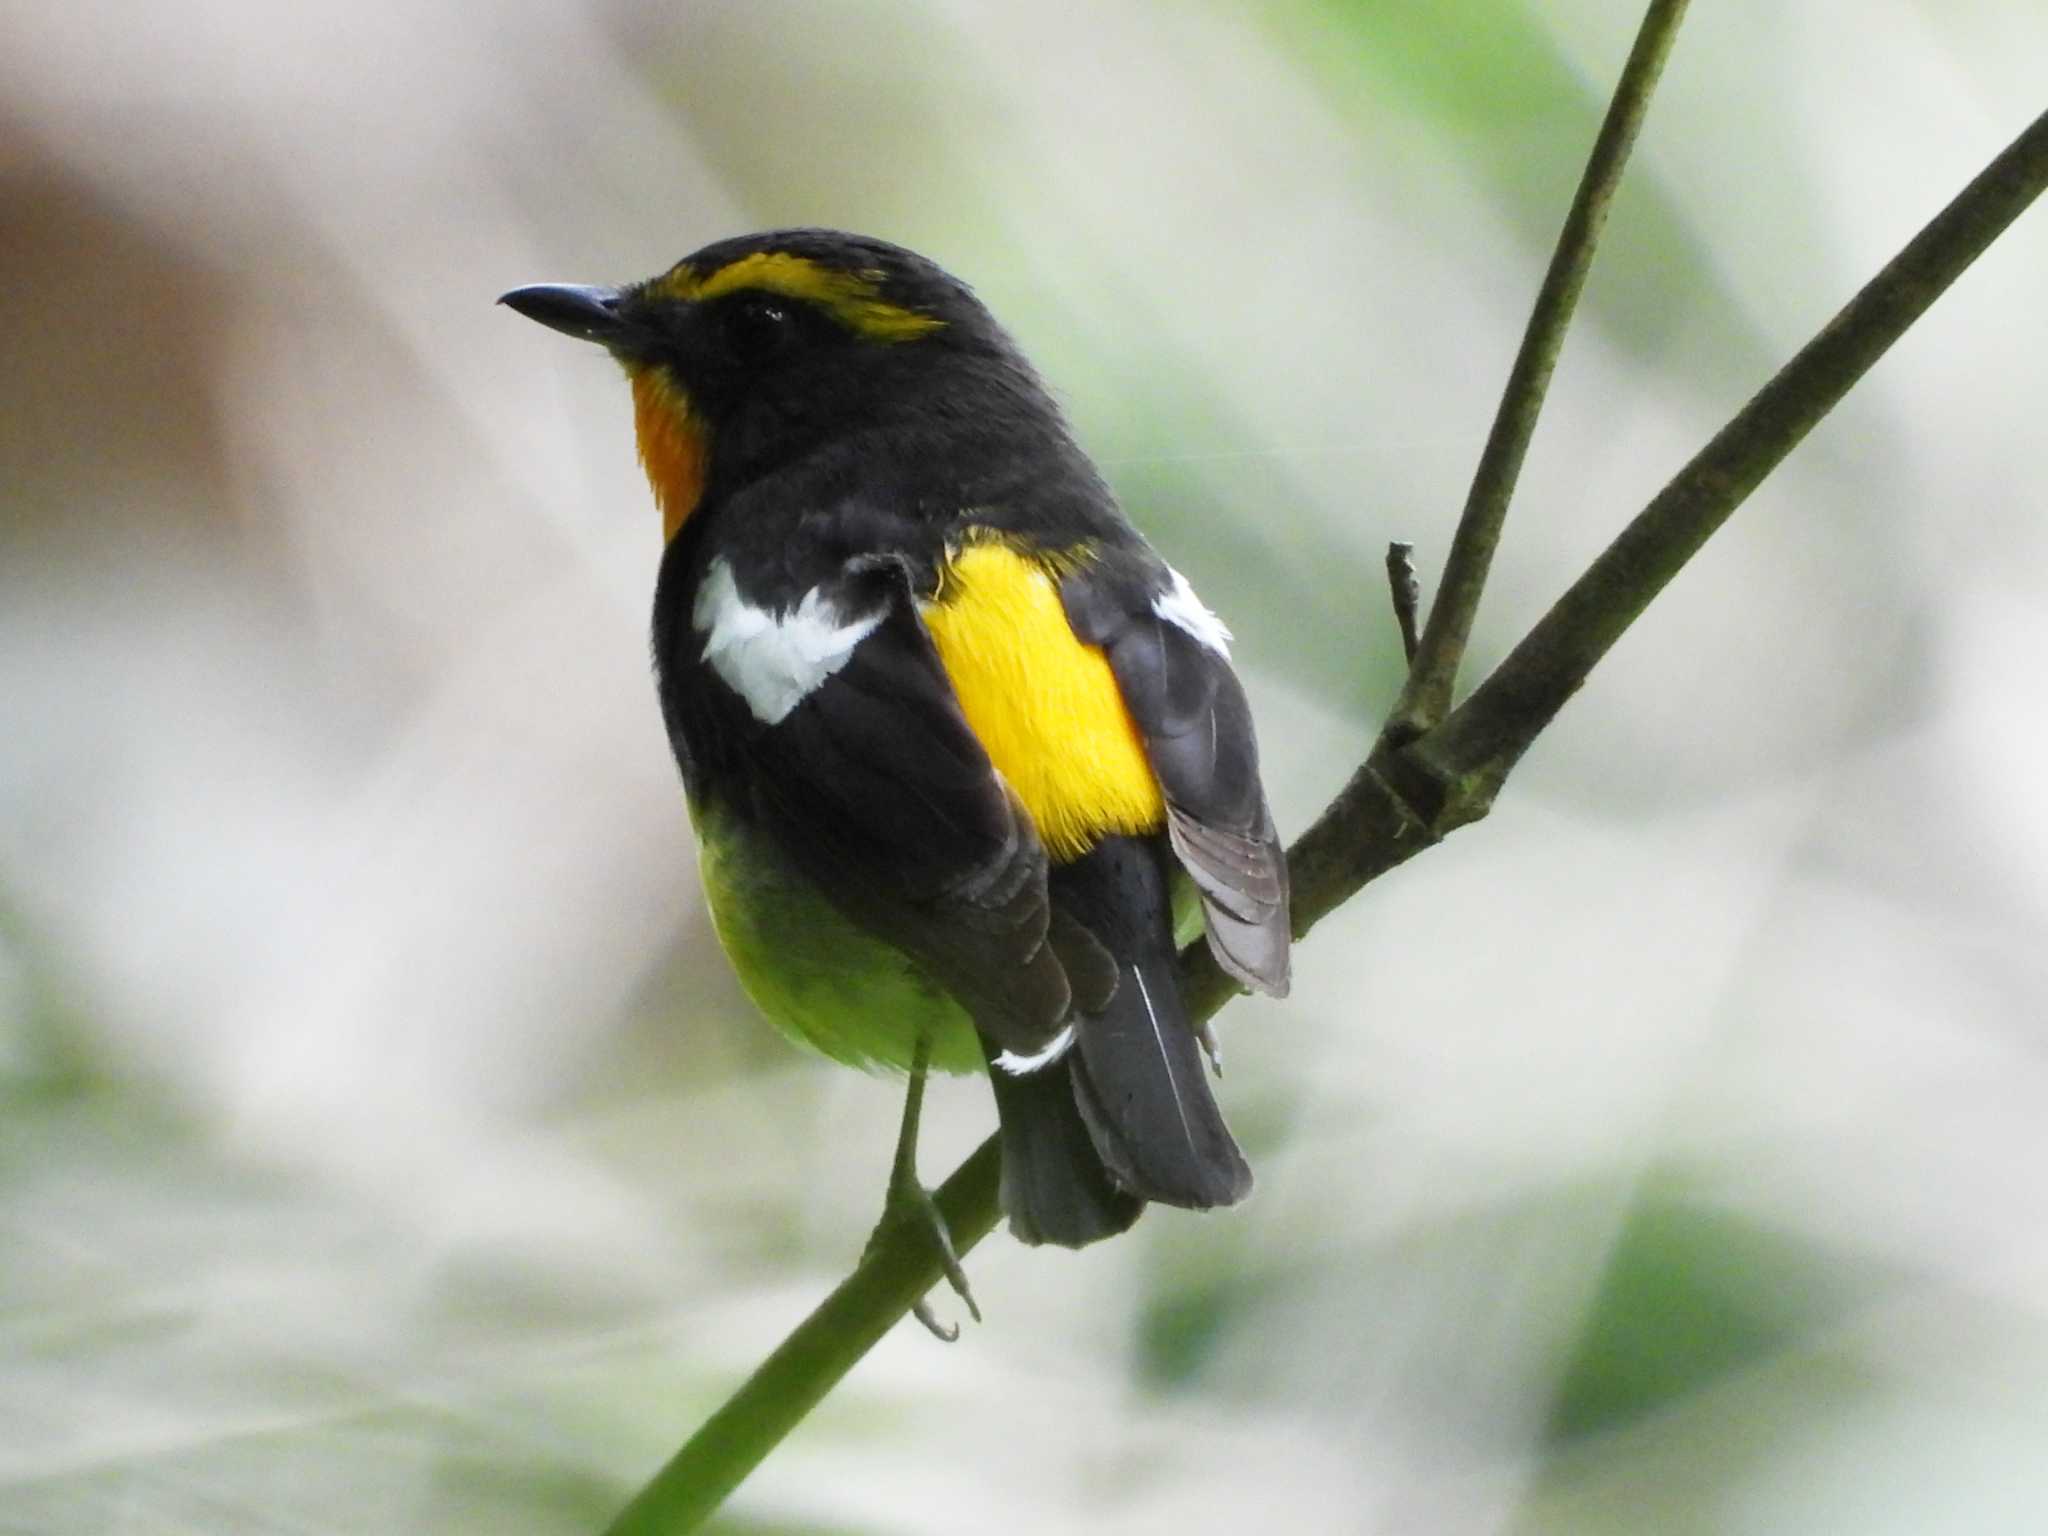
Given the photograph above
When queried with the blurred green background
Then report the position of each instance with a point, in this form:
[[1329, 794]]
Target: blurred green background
[[383, 1144]]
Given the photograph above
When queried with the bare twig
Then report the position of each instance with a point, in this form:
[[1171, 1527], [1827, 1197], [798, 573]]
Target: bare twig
[[1486, 735], [1407, 594], [1434, 670], [1409, 792], [808, 1364]]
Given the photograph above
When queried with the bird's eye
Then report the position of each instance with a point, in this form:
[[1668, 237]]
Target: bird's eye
[[754, 328]]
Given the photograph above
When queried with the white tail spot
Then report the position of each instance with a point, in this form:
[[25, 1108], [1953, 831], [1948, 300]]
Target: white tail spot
[[1018, 1066]]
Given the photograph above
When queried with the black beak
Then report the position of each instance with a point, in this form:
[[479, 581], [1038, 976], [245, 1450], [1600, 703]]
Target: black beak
[[589, 314]]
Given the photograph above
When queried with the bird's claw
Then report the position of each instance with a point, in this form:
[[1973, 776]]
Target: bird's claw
[[910, 1204]]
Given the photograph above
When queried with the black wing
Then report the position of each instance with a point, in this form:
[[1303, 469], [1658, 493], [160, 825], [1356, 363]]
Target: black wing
[[1190, 708], [885, 797]]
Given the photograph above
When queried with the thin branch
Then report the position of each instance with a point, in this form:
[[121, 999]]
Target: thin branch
[[1367, 830], [1408, 793], [1434, 672], [1491, 730], [809, 1363]]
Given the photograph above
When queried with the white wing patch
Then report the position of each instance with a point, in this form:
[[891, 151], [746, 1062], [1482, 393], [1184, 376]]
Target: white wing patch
[[773, 660], [1178, 605]]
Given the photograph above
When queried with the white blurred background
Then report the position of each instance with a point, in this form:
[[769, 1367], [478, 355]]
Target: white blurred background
[[383, 1144]]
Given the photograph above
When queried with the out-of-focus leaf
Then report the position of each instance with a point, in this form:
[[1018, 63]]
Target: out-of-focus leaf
[[1488, 78], [46, 1053], [1182, 1327], [1692, 1295]]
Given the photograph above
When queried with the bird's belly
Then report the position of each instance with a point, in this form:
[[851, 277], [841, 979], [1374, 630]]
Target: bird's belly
[[819, 978]]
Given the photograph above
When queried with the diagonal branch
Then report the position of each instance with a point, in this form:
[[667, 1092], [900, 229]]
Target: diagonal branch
[[1495, 726], [1403, 799], [887, 1282], [1433, 672]]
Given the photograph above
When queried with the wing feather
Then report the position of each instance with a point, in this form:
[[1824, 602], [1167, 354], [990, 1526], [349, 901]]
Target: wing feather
[[883, 796], [1197, 727]]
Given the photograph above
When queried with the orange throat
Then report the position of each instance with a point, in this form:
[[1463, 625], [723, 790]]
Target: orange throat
[[674, 449]]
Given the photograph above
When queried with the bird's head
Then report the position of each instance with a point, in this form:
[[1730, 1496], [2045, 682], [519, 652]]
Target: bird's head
[[756, 348]]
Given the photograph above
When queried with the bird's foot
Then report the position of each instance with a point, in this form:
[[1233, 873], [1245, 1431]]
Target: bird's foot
[[910, 1205]]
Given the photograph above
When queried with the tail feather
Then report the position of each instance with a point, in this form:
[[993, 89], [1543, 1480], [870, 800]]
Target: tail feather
[[1055, 1188], [1143, 1091], [1127, 1115]]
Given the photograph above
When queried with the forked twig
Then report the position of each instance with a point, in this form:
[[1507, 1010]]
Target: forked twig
[[1427, 774]]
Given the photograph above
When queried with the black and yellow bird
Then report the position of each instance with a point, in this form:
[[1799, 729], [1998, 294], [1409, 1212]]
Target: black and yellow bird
[[951, 732]]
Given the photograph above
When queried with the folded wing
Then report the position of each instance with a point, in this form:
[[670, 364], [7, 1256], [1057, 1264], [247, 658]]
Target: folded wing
[[888, 801], [1171, 660]]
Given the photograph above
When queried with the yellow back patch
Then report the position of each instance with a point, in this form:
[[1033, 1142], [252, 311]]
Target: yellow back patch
[[674, 448], [852, 298], [1045, 705]]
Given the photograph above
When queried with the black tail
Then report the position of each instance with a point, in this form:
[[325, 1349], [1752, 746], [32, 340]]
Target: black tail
[[1055, 1189], [1127, 1115]]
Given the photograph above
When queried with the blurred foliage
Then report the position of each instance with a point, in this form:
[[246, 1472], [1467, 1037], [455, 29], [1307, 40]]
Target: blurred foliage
[[1691, 1296], [1490, 85], [46, 1048]]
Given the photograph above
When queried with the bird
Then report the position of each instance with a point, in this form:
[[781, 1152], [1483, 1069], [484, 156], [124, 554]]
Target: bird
[[953, 736]]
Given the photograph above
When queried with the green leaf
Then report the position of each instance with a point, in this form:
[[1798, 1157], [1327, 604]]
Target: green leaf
[[1691, 1296]]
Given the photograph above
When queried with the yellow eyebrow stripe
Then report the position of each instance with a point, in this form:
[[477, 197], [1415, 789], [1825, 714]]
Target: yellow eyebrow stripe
[[852, 298]]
